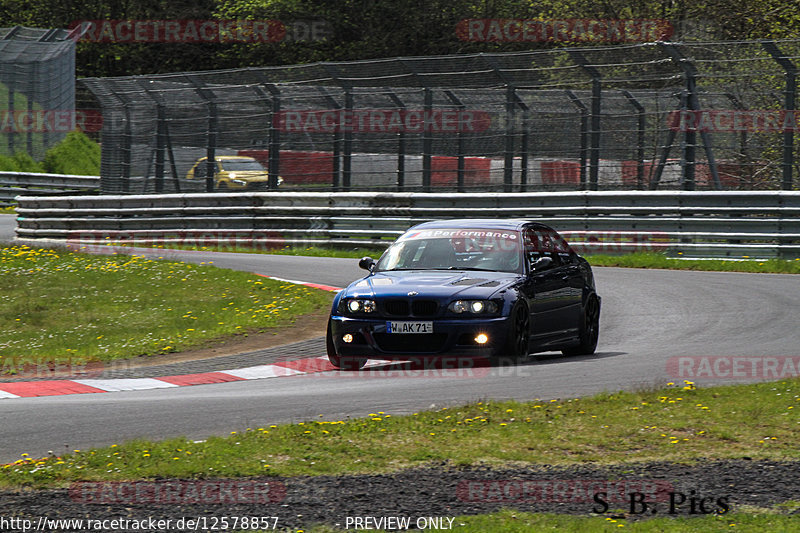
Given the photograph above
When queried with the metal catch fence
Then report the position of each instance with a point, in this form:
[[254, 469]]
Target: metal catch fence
[[716, 115], [37, 89]]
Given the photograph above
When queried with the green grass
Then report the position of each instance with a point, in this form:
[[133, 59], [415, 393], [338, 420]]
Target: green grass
[[654, 260], [76, 154], [635, 260], [308, 251], [509, 521], [19, 162], [73, 308], [679, 423]]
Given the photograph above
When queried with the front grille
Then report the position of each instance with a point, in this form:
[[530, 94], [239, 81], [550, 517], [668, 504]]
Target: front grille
[[398, 342], [396, 307], [414, 308], [424, 307]]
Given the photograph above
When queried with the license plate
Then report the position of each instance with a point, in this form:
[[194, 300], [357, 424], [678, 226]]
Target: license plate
[[409, 327]]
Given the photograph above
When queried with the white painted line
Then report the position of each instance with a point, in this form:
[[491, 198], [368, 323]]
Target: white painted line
[[4, 394], [296, 282], [262, 371], [115, 385], [379, 362]]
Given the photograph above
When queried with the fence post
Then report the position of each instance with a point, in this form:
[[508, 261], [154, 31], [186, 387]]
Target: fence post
[[211, 134], [337, 149], [125, 149], [639, 137], [460, 138], [526, 119], [584, 134], [160, 145], [427, 140], [789, 93], [347, 162], [10, 100], [401, 145], [274, 162], [508, 164], [690, 135], [594, 114], [30, 95]]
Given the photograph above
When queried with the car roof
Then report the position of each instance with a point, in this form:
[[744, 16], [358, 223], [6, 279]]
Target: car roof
[[478, 223]]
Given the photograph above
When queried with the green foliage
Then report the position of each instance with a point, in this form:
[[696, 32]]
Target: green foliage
[[19, 162], [379, 28], [72, 308], [655, 260], [76, 154]]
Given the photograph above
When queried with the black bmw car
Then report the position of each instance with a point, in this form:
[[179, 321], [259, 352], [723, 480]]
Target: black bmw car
[[475, 288]]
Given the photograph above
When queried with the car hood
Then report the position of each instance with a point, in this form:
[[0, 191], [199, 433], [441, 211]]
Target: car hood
[[432, 284]]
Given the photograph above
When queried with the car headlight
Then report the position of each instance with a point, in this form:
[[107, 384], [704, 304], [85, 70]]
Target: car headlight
[[359, 305], [239, 182], [473, 306]]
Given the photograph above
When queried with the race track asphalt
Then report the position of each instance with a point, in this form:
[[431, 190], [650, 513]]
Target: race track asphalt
[[649, 318]]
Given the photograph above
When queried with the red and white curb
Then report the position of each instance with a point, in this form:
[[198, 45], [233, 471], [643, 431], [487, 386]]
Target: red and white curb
[[29, 389], [306, 283]]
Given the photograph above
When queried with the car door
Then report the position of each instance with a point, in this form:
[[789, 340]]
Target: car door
[[543, 285], [569, 294]]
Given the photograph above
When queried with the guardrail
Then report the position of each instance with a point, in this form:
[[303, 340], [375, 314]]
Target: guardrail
[[757, 224], [13, 184]]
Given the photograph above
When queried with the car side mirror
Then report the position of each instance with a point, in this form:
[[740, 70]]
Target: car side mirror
[[541, 264], [367, 263]]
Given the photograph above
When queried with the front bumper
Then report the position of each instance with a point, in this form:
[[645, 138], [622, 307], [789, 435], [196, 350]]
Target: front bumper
[[451, 337]]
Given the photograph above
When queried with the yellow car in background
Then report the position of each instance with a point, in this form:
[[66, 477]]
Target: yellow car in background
[[233, 172]]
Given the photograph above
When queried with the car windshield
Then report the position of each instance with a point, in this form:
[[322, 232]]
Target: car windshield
[[454, 249], [242, 165]]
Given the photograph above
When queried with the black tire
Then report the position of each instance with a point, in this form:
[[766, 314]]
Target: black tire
[[517, 347], [342, 363], [589, 329]]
